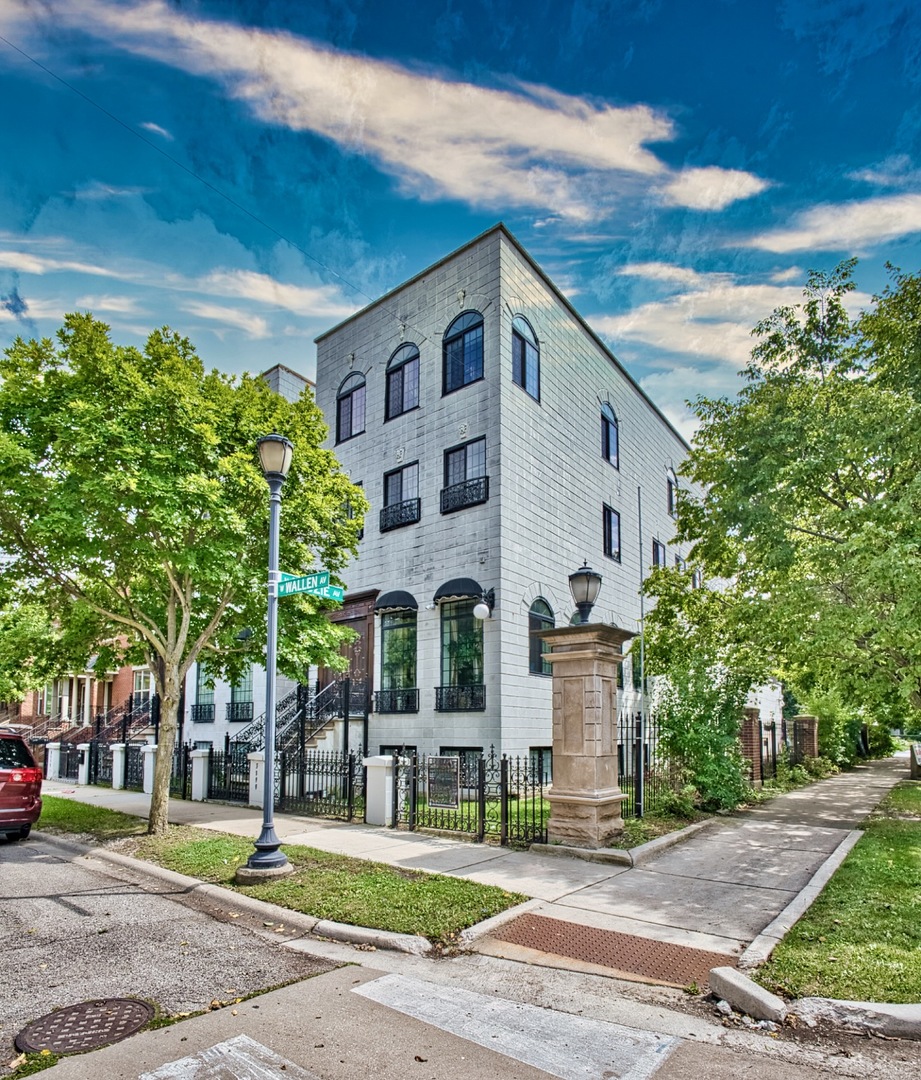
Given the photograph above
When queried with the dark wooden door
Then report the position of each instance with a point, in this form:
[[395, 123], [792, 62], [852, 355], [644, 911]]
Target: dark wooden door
[[357, 613]]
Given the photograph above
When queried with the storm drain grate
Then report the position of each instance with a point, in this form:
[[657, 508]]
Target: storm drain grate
[[85, 1026], [658, 961]]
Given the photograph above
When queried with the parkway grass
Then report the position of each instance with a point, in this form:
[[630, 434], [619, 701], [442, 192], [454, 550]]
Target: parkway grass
[[862, 938], [324, 885]]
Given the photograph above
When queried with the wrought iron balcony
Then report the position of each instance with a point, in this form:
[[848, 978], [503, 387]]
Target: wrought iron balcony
[[396, 701], [460, 698], [239, 711], [467, 493], [203, 714], [402, 513]]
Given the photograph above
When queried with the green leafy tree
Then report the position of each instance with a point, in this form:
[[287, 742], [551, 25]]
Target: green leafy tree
[[134, 513], [810, 525]]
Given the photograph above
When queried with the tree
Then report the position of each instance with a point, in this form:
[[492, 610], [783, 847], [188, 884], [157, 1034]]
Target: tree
[[811, 517], [133, 511]]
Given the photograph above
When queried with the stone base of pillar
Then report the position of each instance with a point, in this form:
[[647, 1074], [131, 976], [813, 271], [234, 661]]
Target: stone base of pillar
[[585, 821]]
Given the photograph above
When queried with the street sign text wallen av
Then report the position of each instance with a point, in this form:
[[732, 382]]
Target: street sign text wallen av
[[308, 583]]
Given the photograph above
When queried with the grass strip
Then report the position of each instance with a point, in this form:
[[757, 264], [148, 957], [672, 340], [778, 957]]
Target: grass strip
[[324, 885], [861, 940]]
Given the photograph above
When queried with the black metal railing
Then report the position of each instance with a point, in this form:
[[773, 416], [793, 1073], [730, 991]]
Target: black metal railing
[[180, 780], [487, 796], [100, 764], [466, 493], [69, 762], [228, 773], [397, 701], [460, 698], [321, 783], [134, 767], [202, 714], [239, 712], [398, 514]]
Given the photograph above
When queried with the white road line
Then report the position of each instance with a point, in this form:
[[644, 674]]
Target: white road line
[[565, 1046]]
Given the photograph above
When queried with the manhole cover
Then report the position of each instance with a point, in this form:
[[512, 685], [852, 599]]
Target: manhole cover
[[85, 1026]]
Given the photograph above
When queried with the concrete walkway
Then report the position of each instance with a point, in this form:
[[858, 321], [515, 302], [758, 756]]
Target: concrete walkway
[[719, 891]]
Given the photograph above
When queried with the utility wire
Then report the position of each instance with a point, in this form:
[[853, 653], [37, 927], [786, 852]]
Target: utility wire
[[191, 172]]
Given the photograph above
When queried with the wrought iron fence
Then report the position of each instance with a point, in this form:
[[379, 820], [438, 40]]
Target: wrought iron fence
[[321, 783], [466, 493], [100, 764], [490, 797], [470, 698], [180, 781], [134, 767], [69, 762], [228, 774], [397, 701], [644, 774]]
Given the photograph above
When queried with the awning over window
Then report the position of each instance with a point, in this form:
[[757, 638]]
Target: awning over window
[[398, 600], [460, 588]]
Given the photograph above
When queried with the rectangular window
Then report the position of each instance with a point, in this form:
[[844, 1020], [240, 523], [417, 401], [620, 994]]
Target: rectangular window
[[679, 563], [541, 762], [398, 650], [611, 521], [658, 553], [610, 438], [463, 358], [203, 707], [671, 497], [461, 687], [240, 706], [466, 482], [402, 505]]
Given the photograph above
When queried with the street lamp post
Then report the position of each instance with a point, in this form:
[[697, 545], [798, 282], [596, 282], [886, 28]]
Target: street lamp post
[[275, 453]]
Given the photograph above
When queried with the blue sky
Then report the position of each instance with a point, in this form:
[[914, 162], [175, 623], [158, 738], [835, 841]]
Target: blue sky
[[675, 167]]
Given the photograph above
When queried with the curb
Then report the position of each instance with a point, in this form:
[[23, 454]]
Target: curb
[[637, 856], [487, 926], [771, 936], [249, 905]]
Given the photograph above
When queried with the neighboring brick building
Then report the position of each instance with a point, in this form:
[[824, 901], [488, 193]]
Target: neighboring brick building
[[500, 444]]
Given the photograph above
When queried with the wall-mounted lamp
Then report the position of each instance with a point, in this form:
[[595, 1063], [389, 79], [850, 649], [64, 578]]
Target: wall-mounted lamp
[[483, 607], [585, 584]]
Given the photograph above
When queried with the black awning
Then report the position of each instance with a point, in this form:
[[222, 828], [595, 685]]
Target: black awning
[[398, 600], [459, 588]]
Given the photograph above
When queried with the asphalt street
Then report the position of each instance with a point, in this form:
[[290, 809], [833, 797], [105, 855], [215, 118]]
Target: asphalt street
[[73, 929]]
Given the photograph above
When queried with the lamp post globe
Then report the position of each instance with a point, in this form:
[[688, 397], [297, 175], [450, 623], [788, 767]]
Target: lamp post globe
[[585, 584]]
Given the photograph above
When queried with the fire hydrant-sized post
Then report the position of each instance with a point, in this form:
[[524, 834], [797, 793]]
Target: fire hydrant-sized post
[[585, 799]]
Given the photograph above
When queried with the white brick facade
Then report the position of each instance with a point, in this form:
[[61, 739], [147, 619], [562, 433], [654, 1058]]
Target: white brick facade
[[548, 480]]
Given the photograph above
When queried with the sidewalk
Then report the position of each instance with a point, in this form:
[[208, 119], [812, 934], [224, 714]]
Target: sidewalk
[[736, 885]]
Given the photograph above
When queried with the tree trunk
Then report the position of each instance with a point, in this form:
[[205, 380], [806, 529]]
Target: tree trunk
[[169, 689]]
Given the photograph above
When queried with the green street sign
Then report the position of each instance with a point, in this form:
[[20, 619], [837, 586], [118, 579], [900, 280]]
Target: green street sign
[[330, 592], [308, 583]]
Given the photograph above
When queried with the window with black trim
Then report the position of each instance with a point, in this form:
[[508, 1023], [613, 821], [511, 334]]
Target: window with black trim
[[611, 532], [462, 351], [469, 764], [540, 760], [679, 563], [658, 553], [462, 688], [610, 436], [697, 578], [350, 407], [402, 505], [203, 709], [525, 357], [402, 381], [466, 482], [398, 693], [671, 494], [540, 617], [240, 706]]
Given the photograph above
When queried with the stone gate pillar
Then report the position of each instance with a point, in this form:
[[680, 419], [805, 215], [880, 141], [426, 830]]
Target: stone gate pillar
[[585, 800]]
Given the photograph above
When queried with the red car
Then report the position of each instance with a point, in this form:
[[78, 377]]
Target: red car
[[20, 786]]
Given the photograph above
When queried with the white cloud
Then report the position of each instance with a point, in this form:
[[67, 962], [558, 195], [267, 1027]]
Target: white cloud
[[528, 146], [98, 190], [26, 263], [252, 325], [149, 125], [712, 188], [667, 272], [850, 226], [713, 321], [119, 305], [320, 301]]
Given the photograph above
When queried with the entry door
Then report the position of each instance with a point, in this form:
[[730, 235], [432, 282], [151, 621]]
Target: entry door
[[357, 614]]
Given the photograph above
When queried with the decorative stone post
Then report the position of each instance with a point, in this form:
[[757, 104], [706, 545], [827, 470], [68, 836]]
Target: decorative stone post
[[200, 777], [805, 737], [83, 766], [750, 737], [53, 760], [149, 760], [256, 772], [585, 800], [119, 750], [379, 790]]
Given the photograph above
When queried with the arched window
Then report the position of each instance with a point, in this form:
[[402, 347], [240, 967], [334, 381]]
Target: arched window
[[610, 437], [525, 357], [350, 407], [463, 351], [540, 617], [402, 381], [671, 493]]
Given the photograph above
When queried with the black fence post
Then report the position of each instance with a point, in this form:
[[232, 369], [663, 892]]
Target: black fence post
[[155, 713], [350, 785], [504, 796], [638, 764], [346, 709], [481, 799], [395, 792], [413, 789], [761, 751], [774, 749]]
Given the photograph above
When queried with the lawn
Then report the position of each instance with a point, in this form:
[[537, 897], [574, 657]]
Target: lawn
[[861, 940], [326, 886]]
